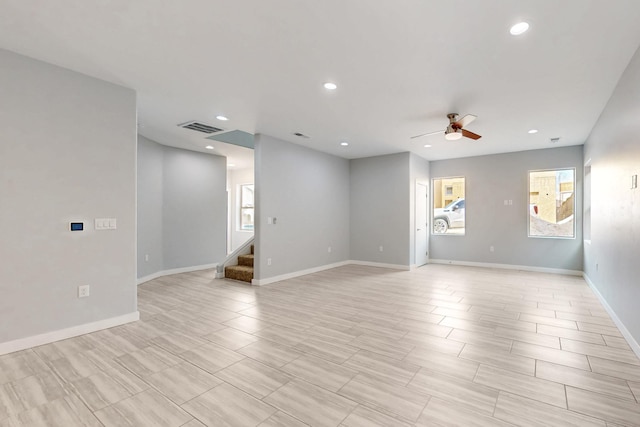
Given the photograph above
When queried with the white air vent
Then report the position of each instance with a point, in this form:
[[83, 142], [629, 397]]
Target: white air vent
[[200, 127]]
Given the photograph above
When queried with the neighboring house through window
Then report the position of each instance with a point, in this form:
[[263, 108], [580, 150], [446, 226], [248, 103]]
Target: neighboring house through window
[[552, 203], [449, 206]]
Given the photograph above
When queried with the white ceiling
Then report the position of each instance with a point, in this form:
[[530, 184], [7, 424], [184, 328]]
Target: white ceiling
[[400, 66]]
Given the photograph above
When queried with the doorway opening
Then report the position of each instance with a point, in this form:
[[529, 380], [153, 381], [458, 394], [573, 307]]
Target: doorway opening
[[422, 224]]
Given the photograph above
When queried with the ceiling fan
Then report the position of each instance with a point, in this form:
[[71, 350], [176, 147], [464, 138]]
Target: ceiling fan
[[455, 130]]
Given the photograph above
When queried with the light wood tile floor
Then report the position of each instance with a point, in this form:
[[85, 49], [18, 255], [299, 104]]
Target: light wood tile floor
[[353, 346]]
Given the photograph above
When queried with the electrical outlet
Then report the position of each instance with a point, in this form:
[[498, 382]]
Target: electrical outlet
[[380, 248], [329, 249], [83, 291], [268, 261], [596, 267], [491, 249], [146, 257]]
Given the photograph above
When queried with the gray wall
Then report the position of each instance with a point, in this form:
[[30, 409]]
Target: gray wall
[[614, 151], [380, 205], [308, 192], [150, 199], [489, 181], [67, 153], [195, 208], [419, 172], [182, 208]]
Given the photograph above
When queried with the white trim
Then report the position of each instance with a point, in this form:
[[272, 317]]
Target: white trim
[[61, 334], [415, 219], [508, 267], [381, 265], [260, 282], [175, 271], [623, 329], [268, 280], [416, 266]]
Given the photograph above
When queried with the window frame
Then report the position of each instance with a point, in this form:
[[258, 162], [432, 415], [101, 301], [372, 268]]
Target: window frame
[[440, 194], [586, 202], [242, 208], [575, 203]]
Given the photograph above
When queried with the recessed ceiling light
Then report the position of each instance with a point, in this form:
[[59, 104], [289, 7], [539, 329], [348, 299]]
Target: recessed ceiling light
[[223, 118], [344, 144], [330, 86], [231, 165], [427, 146], [533, 131], [519, 28], [209, 147]]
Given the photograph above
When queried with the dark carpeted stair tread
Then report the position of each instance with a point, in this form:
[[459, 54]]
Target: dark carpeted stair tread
[[239, 272], [246, 260]]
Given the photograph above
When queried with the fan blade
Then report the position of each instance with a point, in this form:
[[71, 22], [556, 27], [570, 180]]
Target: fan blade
[[427, 134], [470, 134], [465, 121]]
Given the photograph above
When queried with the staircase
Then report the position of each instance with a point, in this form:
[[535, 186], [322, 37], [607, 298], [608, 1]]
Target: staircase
[[244, 270]]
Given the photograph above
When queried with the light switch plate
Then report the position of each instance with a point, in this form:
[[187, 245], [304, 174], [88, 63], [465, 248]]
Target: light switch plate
[[105, 223]]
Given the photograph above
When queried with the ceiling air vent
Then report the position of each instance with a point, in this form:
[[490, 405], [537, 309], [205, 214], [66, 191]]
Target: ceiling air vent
[[200, 127]]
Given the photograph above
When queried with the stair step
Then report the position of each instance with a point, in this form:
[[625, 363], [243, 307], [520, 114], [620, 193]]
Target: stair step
[[239, 272], [252, 250], [246, 260]]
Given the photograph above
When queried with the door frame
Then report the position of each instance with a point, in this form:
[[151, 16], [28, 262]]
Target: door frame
[[419, 261]]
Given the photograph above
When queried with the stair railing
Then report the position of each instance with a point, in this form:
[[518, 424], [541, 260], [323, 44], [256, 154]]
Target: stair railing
[[233, 257]]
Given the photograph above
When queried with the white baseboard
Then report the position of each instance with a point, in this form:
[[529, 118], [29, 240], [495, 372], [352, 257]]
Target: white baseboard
[[625, 332], [508, 267], [61, 334], [175, 271], [381, 265], [260, 282]]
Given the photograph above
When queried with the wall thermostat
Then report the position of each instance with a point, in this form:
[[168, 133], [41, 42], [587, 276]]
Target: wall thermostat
[[77, 226]]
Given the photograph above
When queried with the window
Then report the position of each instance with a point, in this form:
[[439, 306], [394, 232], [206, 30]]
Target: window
[[448, 206], [552, 203], [246, 207]]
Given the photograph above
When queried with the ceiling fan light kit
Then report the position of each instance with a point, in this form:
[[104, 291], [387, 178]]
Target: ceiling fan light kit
[[453, 135], [455, 130]]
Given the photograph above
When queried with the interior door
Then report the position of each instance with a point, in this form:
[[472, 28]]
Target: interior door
[[422, 226]]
